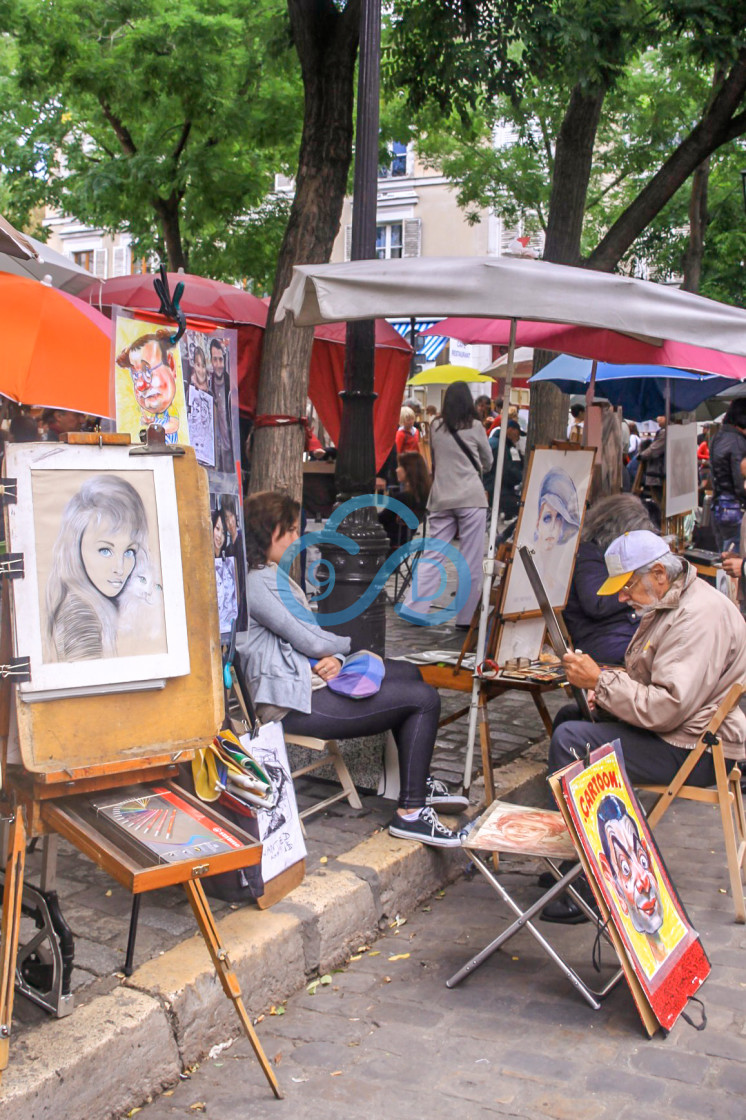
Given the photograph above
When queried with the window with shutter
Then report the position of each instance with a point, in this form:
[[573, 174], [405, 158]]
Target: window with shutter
[[120, 263], [413, 237], [99, 263]]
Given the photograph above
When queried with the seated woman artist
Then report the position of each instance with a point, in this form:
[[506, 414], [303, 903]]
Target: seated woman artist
[[413, 491], [600, 625], [285, 687]]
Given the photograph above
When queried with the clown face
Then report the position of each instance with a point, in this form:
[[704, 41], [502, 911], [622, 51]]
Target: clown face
[[153, 378], [633, 877]]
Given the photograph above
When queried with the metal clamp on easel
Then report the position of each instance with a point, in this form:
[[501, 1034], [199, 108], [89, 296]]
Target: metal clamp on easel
[[154, 443], [18, 670], [11, 565], [9, 491]]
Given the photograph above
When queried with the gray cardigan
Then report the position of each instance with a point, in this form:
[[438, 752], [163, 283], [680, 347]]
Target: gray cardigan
[[456, 484], [276, 650]]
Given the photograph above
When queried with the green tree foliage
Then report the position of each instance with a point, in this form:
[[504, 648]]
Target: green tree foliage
[[167, 119], [612, 103]]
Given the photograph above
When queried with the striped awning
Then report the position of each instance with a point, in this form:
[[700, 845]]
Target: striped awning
[[431, 344]]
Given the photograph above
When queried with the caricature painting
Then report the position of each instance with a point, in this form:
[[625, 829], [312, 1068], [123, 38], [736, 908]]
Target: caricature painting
[[102, 599], [628, 871], [554, 497], [148, 381]]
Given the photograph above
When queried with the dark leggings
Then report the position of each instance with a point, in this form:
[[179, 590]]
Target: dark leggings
[[404, 705]]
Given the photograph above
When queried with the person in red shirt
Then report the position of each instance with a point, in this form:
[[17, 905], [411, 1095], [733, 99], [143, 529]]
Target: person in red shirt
[[407, 437]]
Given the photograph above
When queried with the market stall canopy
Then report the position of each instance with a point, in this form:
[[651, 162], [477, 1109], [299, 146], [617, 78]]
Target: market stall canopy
[[640, 390], [56, 349], [13, 243], [510, 288], [523, 363], [393, 356], [48, 264], [591, 342], [446, 375]]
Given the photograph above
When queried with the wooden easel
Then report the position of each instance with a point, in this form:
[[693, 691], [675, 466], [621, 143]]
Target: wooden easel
[[78, 745], [458, 679]]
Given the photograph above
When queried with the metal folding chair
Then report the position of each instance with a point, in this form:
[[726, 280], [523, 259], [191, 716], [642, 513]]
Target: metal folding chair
[[525, 915], [405, 572]]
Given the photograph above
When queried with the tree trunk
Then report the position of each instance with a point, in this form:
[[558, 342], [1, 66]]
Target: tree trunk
[[167, 210], [718, 125], [326, 40], [697, 225], [572, 170]]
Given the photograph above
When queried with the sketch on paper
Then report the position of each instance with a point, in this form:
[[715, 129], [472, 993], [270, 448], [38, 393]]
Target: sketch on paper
[[103, 557], [102, 599], [202, 426], [520, 637], [553, 506], [519, 828], [682, 489], [225, 577]]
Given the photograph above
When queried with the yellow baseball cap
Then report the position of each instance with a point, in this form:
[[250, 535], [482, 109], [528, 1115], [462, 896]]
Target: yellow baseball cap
[[626, 554]]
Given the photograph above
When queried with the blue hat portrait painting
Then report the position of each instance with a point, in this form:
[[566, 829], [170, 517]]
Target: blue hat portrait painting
[[558, 517]]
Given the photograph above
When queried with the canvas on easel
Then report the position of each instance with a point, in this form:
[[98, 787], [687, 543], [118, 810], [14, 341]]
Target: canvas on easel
[[660, 951], [552, 507], [100, 603]]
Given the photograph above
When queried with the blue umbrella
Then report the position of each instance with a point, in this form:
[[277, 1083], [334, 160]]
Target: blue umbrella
[[640, 390]]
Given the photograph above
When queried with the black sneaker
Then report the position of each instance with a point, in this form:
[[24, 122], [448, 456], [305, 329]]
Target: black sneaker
[[426, 828], [439, 795]]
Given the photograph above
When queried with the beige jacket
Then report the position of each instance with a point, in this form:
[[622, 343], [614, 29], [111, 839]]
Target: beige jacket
[[679, 665]]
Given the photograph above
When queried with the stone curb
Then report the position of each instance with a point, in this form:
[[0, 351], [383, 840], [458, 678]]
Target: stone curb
[[114, 1052]]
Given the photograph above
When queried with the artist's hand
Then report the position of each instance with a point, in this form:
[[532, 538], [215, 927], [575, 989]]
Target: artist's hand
[[581, 670], [327, 668], [732, 564]]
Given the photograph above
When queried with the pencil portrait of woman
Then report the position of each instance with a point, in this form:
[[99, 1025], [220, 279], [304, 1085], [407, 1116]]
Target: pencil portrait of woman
[[103, 537]]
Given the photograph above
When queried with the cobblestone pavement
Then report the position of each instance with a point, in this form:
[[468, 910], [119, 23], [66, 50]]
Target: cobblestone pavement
[[98, 909], [386, 1038]]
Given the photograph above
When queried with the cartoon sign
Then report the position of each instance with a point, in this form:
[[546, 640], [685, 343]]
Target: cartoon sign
[[628, 873]]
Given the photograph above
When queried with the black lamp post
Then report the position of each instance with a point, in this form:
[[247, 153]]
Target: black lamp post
[[356, 464], [743, 187]]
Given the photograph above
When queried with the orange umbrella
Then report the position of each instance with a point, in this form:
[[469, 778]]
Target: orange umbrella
[[56, 350]]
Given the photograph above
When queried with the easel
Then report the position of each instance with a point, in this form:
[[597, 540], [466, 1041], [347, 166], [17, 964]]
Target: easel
[[461, 680], [66, 755]]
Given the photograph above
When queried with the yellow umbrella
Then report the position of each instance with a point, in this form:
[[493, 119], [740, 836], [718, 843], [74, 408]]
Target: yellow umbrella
[[446, 375]]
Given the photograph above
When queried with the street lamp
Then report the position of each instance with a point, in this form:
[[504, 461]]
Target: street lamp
[[356, 460], [743, 187]]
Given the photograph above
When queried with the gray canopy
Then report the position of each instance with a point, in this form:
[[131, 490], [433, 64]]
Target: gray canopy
[[505, 287]]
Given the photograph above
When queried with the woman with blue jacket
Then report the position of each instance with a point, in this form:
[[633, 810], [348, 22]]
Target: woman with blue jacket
[[285, 685]]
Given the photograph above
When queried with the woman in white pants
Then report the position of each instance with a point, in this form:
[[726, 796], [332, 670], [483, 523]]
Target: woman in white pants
[[457, 502]]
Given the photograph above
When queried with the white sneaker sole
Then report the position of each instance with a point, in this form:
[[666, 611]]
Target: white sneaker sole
[[431, 841]]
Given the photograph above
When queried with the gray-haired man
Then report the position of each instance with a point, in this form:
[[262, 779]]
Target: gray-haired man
[[689, 649]]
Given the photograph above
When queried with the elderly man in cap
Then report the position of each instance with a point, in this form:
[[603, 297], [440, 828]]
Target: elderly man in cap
[[689, 649]]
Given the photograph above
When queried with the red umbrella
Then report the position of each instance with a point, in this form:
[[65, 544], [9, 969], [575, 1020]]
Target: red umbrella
[[220, 302], [203, 298], [592, 342]]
